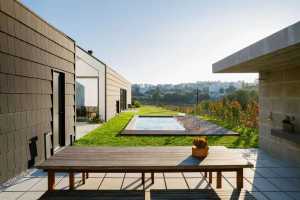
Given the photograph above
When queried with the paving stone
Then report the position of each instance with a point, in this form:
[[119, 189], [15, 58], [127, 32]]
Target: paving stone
[[176, 183], [267, 172], [42, 185], [96, 175], [115, 175], [111, 183], [136, 175], [173, 175], [277, 196], [262, 184], [286, 184], [10, 195], [31, 196], [90, 184], [259, 196], [232, 183], [159, 183], [192, 175], [197, 183], [286, 172], [134, 184], [24, 184], [63, 184], [294, 195]]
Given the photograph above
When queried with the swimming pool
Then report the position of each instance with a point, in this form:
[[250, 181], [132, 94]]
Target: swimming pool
[[156, 123]]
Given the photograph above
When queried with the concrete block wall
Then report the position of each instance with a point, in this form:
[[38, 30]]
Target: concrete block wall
[[115, 82], [279, 94], [30, 49]]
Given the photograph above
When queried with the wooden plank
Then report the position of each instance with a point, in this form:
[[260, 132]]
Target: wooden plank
[[94, 195], [83, 177], [51, 180], [239, 179], [71, 180], [219, 179]]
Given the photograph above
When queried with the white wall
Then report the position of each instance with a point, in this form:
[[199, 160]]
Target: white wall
[[88, 66]]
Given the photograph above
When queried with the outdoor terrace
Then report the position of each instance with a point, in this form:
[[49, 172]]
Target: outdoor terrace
[[270, 179]]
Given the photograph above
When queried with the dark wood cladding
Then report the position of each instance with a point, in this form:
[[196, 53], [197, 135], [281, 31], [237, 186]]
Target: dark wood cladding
[[30, 49]]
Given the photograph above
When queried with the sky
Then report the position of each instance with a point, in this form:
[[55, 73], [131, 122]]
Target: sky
[[167, 41]]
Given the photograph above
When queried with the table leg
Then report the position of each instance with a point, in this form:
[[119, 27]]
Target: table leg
[[219, 179], [71, 180], [239, 179], [152, 177], [143, 178], [87, 175], [210, 177], [205, 174], [83, 177], [51, 180]]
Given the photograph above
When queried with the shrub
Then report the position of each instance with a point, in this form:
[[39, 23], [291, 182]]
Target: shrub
[[136, 104], [200, 142]]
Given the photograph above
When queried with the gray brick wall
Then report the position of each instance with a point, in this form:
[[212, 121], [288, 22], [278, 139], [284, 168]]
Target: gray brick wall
[[279, 94], [29, 50]]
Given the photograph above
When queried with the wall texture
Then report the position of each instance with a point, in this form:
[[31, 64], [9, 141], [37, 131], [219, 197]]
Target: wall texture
[[279, 94], [29, 50], [115, 82]]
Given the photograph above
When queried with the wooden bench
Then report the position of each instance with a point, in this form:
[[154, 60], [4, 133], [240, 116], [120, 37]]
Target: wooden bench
[[200, 194], [93, 195], [142, 160]]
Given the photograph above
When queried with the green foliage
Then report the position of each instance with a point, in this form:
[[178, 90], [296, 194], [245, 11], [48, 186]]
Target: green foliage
[[108, 133], [136, 104]]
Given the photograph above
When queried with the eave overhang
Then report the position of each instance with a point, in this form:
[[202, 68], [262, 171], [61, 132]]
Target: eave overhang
[[278, 51]]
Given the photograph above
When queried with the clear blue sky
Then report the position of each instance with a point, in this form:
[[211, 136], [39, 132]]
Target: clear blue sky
[[167, 41]]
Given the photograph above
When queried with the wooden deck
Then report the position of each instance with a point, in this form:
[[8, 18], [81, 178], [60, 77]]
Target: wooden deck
[[142, 160]]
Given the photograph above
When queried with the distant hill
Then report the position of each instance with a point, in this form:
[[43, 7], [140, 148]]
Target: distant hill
[[186, 93]]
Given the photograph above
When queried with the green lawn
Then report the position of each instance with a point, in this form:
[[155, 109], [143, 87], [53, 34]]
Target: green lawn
[[108, 134]]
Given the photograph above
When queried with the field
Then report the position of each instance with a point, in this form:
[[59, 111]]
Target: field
[[108, 133]]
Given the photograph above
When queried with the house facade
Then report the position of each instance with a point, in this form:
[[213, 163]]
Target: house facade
[[277, 60], [37, 88], [95, 77]]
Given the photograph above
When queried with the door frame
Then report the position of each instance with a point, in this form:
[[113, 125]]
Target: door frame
[[61, 129]]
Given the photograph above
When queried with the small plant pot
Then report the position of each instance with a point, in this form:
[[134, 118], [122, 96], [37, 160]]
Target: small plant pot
[[200, 152]]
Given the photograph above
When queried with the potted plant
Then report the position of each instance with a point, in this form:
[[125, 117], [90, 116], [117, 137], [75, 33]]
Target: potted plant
[[200, 147], [287, 124]]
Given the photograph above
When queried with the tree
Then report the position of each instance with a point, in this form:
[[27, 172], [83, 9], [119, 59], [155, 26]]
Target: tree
[[156, 96]]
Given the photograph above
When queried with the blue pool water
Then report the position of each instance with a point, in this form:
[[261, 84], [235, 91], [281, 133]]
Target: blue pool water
[[157, 123]]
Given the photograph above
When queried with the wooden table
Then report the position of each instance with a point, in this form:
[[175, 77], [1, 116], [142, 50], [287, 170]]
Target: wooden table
[[142, 160]]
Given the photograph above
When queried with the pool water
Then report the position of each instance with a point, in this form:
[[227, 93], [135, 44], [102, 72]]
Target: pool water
[[157, 123]]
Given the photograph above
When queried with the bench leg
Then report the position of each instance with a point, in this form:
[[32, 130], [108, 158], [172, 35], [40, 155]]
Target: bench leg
[[210, 177], [219, 179], [152, 177], [239, 179], [143, 178], [71, 180], [83, 177], [51, 180]]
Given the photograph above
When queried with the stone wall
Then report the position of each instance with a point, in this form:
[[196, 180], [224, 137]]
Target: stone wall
[[279, 95], [30, 49]]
